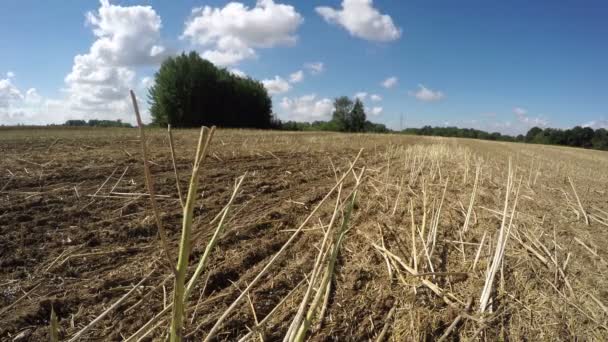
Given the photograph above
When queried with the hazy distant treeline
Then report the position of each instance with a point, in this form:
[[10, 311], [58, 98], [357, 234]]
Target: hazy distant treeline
[[96, 123], [578, 136]]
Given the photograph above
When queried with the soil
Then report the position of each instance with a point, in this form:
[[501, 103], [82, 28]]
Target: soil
[[77, 232]]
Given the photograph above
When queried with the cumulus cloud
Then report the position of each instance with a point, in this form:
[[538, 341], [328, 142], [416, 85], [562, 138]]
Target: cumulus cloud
[[306, 108], [375, 97], [32, 96], [390, 82], [10, 74], [427, 95], [524, 118], [231, 34], [296, 77], [237, 72], [376, 111], [362, 20], [276, 85], [127, 36], [8, 93], [25, 107], [361, 95], [315, 68]]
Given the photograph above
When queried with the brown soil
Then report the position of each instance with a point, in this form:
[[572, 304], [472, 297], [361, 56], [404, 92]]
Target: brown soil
[[75, 238]]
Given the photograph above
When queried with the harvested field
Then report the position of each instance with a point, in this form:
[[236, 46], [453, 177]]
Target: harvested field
[[448, 238]]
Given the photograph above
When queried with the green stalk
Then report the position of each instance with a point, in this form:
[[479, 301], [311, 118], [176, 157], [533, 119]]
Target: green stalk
[[177, 321], [220, 228], [54, 326]]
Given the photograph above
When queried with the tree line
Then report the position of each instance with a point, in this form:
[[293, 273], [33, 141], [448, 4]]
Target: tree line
[[585, 137], [96, 123], [578, 136]]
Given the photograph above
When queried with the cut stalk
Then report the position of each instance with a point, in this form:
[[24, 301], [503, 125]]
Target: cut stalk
[[579, 201], [171, 146], [303, 329], [150, 184], [179, 293], [232, 306], [54, 327]]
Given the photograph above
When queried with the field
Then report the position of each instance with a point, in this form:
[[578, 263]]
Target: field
[[447, 238]]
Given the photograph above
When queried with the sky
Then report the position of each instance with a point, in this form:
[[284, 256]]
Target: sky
[[501, 66]]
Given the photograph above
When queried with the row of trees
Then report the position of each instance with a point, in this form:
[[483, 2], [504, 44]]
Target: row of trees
[[461, 133], [348, 116], [96, 123], [578, 136], [190, 91]]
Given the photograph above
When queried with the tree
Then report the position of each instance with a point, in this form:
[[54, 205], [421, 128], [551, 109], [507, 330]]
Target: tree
[[532, 133], [190, 91], [342, 108], [600, 139], [357, 117]]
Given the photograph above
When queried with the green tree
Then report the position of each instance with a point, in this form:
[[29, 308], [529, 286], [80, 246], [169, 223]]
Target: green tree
[[190, 91], [342, 108], [600, 139], [532, 133], [357, 117]]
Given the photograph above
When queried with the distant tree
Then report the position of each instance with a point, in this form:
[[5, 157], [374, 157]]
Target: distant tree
[[375, 127], [76, 123], [600, 139], [357, 117], [342, 108], [190, 91], [532, 133]]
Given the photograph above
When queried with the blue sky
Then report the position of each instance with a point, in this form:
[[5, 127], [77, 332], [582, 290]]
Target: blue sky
[[497, 66]]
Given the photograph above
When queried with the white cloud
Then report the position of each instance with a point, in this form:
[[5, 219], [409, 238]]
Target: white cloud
[[32, 96], [127, 36], [18, 107], [315, 68], [376, 111], [277, 85], [522, 117], [306, 108], [147, 82], [238, 72], [427, 95], [10, 74], [519, 111], [296, 77], [362, 20], [390, 82], [361, 95], [230, 34], [376, 98], [8, 93], [596, 124]]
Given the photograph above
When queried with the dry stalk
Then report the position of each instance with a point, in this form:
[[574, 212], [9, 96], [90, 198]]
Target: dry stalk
[[150, 184], [503, 237], [232, 306], [79, 334], [579, 201], [465, 226], [171, 146]]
